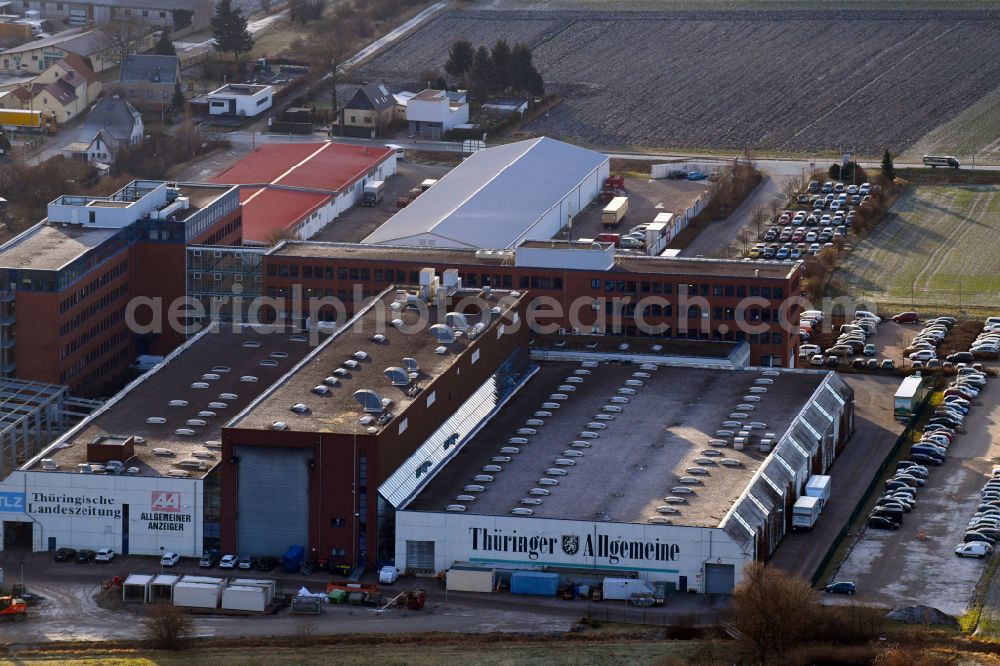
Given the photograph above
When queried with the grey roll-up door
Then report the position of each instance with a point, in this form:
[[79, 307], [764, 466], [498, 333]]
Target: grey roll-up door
[[420, 555], [272, 499], [720, 578]]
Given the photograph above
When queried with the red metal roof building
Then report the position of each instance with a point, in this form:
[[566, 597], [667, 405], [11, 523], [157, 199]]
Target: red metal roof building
[[297, 188]]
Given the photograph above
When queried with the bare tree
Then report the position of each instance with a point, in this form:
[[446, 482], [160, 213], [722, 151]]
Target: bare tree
[[125, 37], [758, 217], [166, 625], [772, 610], [328, 54]]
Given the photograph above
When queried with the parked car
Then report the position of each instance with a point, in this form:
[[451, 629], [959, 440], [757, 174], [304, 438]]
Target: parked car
[[841, 587], [209, 559], [978, 549], [887, 364], [872, 364], [169, 559], [869, 350], [882, 523], [696, 175], [267, 563], [104, 555], [906, 318], [388, 575], [64, 555], [247, 562], [84, 556], [228, 562]]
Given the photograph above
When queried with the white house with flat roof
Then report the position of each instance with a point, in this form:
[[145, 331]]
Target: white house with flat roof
[[240, 100]]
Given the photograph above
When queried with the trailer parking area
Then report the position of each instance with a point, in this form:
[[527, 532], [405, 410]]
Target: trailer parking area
[[916, 564]]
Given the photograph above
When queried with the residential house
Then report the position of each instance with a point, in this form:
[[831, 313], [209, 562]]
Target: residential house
[[111, 125], [67, 89], [369, 113], [35, 57], [148, 81], [238, 99], [432, 113], [179, 16]]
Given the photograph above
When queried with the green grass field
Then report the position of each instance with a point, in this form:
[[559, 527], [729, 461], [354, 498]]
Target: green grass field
[[936, 249]]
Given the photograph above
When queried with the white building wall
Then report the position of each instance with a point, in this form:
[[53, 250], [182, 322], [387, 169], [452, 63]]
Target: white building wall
[[669, 551], [87, 511]]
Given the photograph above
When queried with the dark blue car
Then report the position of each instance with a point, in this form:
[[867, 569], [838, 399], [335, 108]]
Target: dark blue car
[[840, 587]]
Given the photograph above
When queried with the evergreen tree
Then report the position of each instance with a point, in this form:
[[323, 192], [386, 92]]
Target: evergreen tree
[[460, 58], [500, 66], [523, 75], [229, 28], [164, 45], [888, 169], [178, 99], [481, 72]]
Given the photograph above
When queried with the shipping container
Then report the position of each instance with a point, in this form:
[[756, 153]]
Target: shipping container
[[135, 589], [535, 583], [909, 396], [269, 586], [615, 211], [805, 512], [818, 486], [197, 595], [471, 579], [162, 588], [244, 597], [622, 589], [294, 557]]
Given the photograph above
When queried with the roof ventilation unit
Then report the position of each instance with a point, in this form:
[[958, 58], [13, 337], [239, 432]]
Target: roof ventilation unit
[[398, 376], [746, 407], [558, 396], [369, 400], [203, 454], [217, 405], [209, 376], [49, 463], [300, 408], [704, 461], [550, 405], [531, 501], [647, 366], [633, 382], [227, 396], [565, 462], [675, 500], [221, 369], [589, 364], [517, 440], [692, 479], [758, 389], [196, 422], [548, 482], [466, 498], [252, 344], [132, 470], [179, 473], [581, 372], [660, 520], [682, 490], [555, 471], [321, 389], [527, 431], [751, 398], [476, 331], [184, 432], [580, 444], [618, 400], [279, 425], [571, 453], [178, 403], [441, 350], [205, 414], [340, 372], [456, 320], [711, 452], [657, 348], [350, 363], [213, 444], [626, 391], [539, 491], [361, 355], [192, 463], [730, 462], [534, 422], [771, 373], [764, 381], [666, 508], [542, 414], [331, 381], [613, 409], [299, 338], [443, 333], [492, 469], [398, 323], [411, 364], [574, 380], [566, 388], [278, 354], [522, 511], [640, 375], [482, 478], [162, 452], [268, 363], [378, 337], [248, 379], [597, 425], [500, 459], [156, 420], [454, 507], [510, 450], [473, 488]]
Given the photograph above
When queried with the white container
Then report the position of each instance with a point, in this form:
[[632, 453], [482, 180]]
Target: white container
[[197, 595], [622, 589], [244, 597]]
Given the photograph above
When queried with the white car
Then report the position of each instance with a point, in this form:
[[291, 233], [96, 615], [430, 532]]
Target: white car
[[388, 575], [923, 355], [104, 555], [228, 562], [169, 559], [978, 549]]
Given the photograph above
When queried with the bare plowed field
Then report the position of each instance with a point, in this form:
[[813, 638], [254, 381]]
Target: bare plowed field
[[936, 249], [791, 82]]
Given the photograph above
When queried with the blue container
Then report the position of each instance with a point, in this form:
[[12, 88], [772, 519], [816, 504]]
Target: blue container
[[293, 559], [534, 582]]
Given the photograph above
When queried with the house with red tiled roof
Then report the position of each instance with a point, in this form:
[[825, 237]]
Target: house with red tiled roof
[[295, 189], [67, 88]]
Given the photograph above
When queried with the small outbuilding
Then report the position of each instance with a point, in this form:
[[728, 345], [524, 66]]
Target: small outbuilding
[[135, 589], [162, 588], [471, 578]]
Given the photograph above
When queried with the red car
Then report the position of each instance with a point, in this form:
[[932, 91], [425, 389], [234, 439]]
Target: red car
[[906, 318]]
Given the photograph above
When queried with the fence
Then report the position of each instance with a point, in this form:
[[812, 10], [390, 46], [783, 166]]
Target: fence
[[664, 616], [905, 438]]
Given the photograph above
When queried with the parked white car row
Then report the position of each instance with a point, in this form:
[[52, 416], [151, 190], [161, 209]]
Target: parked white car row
[[923, 349]]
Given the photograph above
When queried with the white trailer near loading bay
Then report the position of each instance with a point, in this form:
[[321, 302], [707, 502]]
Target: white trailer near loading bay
[[818, 486]]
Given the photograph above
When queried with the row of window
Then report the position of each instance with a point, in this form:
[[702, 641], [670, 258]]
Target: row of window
[[92, 286], [224, 231], [113, 364], [81, 340], [94, 308]]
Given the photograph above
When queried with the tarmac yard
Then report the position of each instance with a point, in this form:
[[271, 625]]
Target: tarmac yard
[[916, 564]]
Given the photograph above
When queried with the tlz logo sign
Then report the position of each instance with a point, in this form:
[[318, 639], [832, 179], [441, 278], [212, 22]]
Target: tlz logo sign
[[12, 502]]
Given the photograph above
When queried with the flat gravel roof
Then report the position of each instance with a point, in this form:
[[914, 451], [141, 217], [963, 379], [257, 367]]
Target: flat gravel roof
[[637, 460]]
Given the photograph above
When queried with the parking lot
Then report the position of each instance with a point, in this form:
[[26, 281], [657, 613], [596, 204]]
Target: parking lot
[[647, 198], [916, 564], [810, 224], [355, 224]]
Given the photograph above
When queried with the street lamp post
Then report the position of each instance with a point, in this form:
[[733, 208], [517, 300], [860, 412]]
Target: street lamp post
[[22, 576]]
